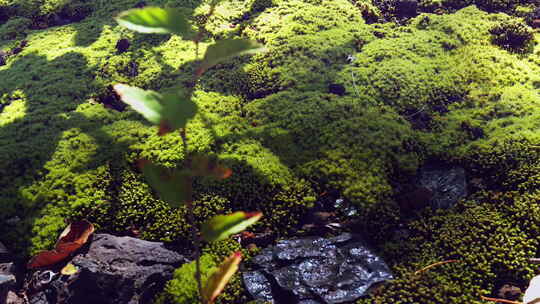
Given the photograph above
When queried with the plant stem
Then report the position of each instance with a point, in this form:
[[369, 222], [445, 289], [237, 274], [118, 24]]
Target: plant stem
[[197, 242], [191, 219], [191, 216]]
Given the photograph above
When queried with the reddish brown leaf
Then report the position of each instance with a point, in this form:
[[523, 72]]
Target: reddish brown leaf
[[46, 258], [76, 232], [72, 238]]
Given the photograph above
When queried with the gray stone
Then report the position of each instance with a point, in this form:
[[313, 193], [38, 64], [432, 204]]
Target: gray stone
[[7, 281], [448, 184], [315, 270], [116, 270]]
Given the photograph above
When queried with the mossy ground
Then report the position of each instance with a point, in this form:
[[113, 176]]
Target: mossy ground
[[437, 86]]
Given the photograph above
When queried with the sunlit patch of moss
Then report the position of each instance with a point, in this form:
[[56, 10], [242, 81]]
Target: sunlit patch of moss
[[12, 108], [339, 143]]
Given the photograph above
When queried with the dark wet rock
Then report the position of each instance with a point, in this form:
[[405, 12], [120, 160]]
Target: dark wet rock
[[16, 50], [3, 58], [448, 184], [140, 4], [115, 270], [315, 270], [397, 10], [7, 280], [336, 88], [13, 220], [122, 45], [259, 285], [416, 199], [406, 8], [345, 208], [59, 20]]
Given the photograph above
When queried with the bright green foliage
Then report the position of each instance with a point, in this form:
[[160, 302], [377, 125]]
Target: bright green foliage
[[154, 20], [222, 226], [182, 289], [170, 111]]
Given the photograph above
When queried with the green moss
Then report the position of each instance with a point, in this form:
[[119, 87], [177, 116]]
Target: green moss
[[414, 91], [14, 28], [182, 289], [489, 247]]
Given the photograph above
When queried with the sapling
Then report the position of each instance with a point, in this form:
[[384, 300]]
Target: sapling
[[171, 112]]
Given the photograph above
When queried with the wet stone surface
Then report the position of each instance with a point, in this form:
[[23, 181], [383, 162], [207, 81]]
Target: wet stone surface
[[315, 270], [448, 184]]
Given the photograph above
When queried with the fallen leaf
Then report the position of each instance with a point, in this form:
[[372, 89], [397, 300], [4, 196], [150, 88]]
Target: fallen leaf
[[72, 238]]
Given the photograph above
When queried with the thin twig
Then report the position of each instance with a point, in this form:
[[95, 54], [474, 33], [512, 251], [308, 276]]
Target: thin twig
[[354, 84], [433, 265], [499, 300], [534, 260], [197, 241]]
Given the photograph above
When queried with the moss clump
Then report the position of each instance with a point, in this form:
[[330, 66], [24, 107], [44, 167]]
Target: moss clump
[[489, 246], [14, 28], [512, 35], [182, 289]]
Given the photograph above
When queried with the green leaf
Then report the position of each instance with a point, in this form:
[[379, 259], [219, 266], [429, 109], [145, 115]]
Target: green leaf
[[225, 49], [221, 226], [177, 110], [154, 20], [146, 103], [217, 281], [169, 111], [173, 186]]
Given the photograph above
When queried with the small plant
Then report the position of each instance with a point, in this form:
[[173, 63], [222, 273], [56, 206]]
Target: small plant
[[171, 112]]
